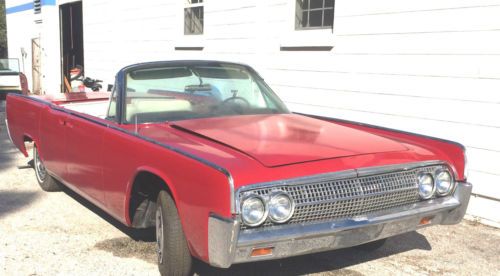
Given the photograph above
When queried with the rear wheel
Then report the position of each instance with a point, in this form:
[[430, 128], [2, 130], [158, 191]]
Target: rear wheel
[[46, 182], [172, 250]]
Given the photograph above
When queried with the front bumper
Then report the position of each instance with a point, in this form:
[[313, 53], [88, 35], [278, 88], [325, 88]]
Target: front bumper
[[228, 245]]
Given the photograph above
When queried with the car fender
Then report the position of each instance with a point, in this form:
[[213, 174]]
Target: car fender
[[130, 184]]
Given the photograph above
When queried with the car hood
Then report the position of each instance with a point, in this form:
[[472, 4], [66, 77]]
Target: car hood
[[277, 140]]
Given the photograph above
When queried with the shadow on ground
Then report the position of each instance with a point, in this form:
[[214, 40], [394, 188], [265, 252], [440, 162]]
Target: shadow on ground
[[141, 245], [337, 260], [7, 150], [129, 248], [13, 201], [146, 235]]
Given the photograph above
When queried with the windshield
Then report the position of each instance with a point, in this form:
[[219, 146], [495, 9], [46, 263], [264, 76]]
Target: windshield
[[9, 65], [187, 92]]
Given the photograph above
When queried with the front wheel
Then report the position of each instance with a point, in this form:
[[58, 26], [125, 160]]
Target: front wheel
[[46, 182], [172, 250]]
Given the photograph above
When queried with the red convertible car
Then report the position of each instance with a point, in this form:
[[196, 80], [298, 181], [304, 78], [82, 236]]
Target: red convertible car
[[207, 154]]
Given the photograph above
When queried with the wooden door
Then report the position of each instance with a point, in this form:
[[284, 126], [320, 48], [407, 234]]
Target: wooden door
[[36, 65]]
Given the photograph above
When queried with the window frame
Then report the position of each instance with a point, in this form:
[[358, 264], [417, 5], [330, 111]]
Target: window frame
[[299, 27], [293, 38], [113, 108], [189, 5], [37, 6]]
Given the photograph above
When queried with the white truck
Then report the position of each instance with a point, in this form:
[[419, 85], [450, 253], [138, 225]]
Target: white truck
[[11, 79]]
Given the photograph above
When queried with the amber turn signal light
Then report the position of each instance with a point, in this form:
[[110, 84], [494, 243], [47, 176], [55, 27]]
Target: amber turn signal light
[[426, 220], [258, 252]]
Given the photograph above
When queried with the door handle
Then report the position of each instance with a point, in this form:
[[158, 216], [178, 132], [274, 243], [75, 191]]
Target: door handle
[[65, 123]]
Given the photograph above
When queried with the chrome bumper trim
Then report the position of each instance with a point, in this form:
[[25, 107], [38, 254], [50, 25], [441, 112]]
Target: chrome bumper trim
[[7, 123], [7, 127], [222, 240], [229, 245]]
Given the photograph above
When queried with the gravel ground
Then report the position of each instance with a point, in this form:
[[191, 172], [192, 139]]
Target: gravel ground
[[62, 234]]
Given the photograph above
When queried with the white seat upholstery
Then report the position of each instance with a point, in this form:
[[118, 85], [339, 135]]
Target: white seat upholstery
[[97, 109], [141, 106]]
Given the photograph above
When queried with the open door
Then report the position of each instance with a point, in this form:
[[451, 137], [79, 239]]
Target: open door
[[71, 25]]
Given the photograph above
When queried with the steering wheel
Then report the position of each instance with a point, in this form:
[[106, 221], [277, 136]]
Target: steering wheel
[[236, 101]]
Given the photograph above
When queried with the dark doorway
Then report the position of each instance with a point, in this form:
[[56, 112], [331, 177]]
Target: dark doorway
[[71, 22]]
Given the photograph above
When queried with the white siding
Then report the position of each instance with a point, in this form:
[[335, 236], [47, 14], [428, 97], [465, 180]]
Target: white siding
[[18, 39], [425, 66], [21, 29]]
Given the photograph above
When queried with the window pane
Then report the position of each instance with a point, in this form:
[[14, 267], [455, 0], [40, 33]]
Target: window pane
[[177, 93], [37, 6], [314, 13], [316, 4], [316, 18], [187, 21], [302, 4], [9, 65], [305, 4], [304, 19], [298, 14], [328, 20], [193, 20]]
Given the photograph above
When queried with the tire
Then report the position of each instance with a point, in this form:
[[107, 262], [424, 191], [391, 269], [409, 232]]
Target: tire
[[172, 250], [371, 246], [46, 182]]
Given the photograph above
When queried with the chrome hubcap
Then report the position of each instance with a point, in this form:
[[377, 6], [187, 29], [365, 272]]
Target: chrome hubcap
[[159, 235], [41, 172]]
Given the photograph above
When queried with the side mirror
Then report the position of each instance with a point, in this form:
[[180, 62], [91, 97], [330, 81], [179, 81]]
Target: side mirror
[[110, 88]]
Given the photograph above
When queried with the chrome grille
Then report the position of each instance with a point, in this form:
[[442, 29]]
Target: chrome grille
[[329, 200]]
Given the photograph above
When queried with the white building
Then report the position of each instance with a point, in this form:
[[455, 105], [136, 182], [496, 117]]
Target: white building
[[428, 66]]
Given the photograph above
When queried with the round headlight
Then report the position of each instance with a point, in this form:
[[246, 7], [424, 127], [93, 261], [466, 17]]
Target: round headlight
[[281, 207], [253, 211], [444, 183], [425, 185]]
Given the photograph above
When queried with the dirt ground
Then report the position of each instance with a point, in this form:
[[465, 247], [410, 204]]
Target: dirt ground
[[62, 234]]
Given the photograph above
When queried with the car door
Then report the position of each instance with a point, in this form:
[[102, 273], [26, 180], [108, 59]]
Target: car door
[[52, 144], [84, 156]]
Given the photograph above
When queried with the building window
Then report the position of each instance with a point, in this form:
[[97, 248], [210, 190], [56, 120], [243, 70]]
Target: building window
[[37, 6], [193, 17], [314, 14]]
